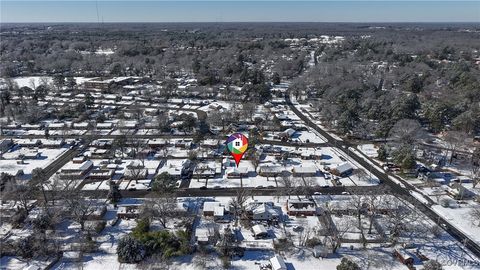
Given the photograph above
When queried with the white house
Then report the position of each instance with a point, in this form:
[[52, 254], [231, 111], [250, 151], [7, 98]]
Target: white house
[[342, 169]]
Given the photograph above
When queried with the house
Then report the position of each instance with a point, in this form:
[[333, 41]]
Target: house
[[99, 153], [278, 263], [262, 211], [342, 169], [102, 143], [301, 208], [81, 125], [271, 171], [106, 125], [156, 143], [204, 171], [209, 208], [307, 171], [237, 172], [52, 143], [57, 126], [128, 211], [101, 174], [76, 170], [79, 159], [287, 134], [259, 231]]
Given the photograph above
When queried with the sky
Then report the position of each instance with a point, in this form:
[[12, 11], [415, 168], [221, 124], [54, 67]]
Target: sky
[[239, 11]]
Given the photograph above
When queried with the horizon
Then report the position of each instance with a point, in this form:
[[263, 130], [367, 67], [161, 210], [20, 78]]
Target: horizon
[[125, 11]]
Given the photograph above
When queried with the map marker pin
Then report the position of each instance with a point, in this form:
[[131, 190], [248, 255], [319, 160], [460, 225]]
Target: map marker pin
[[237, 144]]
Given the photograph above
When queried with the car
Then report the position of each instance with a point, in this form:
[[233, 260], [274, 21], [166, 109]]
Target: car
[[317, 193], [345, 193], [270, 186], [259, 187], [203, 187]]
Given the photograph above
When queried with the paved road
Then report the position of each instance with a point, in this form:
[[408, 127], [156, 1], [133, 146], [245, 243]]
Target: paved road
[[403, 192]]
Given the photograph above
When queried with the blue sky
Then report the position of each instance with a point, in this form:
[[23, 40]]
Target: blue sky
[[239, 11]]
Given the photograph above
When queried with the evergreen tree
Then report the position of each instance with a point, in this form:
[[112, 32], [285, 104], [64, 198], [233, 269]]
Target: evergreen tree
[[347, 264], [130, 250]]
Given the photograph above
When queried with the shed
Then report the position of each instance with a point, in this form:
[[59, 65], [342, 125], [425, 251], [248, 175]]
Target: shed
[[278, 263], [259, 231]]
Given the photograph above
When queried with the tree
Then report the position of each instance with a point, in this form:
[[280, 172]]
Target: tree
[[39, 179], [475, 166], [382, 153], [189, 122], [130, 250], [475, 215], [164, 183], [6, 179], [114, 193], [71, 83], [347, 264], [406, 132], [276, 78], [432, 265], [80, 208], [454, 140], [238, 203], [160, 208], [59, 81]]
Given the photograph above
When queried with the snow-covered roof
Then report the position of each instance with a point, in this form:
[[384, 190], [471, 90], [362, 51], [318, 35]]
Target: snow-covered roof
[[343, 167], [259, 229], [278, 263], [306, 169], [77, 166], [210, 206]]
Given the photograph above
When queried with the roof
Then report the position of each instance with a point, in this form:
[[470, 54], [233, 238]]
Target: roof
[[271, 169], [259, 229], [210, 206], [78, 166], [278, 263], [306, 169], [219, 211], [343, 167]]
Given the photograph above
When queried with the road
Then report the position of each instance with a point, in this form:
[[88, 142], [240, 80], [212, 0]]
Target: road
[[402, 192]]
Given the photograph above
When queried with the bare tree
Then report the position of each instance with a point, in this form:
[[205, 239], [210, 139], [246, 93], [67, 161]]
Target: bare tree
[[358, 205], [406, 132], [238, 203], [160, 208], [475, 166], [454, 140], [475, 216]]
